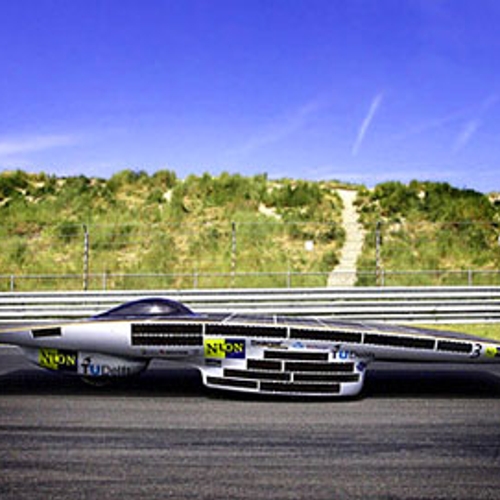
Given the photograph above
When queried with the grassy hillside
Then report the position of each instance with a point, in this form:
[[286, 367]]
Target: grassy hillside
[[137, 223], [429, 226]]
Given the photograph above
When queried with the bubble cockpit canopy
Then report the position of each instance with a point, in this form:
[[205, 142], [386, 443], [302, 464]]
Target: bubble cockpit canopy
[[146, 308]]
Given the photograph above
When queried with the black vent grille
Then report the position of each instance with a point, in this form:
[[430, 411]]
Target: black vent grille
[[293, 366], [46, 332], [246, 331], [165, 334], [326, 335], [225, 382], [256, 375], [326, 377], [289, 372], [277, 387], [264, 364], [167, 328], [296, 355], [399, 341], [167, 340], [451, 346]]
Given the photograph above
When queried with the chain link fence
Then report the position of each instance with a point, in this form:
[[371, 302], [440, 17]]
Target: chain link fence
[[128, 256], [243, 255], [186, 281]]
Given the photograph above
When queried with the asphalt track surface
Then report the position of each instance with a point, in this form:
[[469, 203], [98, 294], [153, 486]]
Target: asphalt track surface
[[418, 432]]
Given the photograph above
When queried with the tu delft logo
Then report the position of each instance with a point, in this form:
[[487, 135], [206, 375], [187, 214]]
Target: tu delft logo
[[225, 348]]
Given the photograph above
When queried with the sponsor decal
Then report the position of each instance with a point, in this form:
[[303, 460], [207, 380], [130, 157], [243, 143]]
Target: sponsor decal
[[93, 368], [361, 366], [275, 344], [298, 345], [492, 352], [342, 354], [319, 347], [58, 359], [225, 348]]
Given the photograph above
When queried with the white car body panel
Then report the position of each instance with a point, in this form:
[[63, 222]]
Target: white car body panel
[[254, 354]]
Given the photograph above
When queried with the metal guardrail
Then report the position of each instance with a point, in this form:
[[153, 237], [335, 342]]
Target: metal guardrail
[[286, 279], [388, 304]]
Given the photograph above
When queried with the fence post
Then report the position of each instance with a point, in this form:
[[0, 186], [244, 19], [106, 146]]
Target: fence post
[[378, 267], [233, 252], [12, 283], [85, 258]]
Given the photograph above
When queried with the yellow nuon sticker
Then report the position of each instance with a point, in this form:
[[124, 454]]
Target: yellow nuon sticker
[[58, 359], [224, 348], [491, 352]]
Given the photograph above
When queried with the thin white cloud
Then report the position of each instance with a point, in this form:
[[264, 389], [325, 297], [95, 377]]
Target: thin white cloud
[[470, 128], [431, 124], [466, 134], [477, 111], [10, 146], [281, 128], [366, 124]]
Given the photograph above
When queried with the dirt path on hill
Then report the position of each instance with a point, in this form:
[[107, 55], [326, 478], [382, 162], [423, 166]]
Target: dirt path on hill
[[344, 273]]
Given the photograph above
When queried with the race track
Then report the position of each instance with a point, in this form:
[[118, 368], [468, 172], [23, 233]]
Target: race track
[[416, 434]]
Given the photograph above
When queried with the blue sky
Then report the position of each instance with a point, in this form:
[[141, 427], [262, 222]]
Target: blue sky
[[361, 91]]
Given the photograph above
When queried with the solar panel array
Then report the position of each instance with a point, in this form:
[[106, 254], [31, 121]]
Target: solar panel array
[[190, 332]]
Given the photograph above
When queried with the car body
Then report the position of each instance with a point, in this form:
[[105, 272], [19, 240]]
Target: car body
[[251, 353]]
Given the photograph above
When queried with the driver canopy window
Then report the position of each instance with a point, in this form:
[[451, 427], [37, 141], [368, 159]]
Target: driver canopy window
[[148, 308]]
